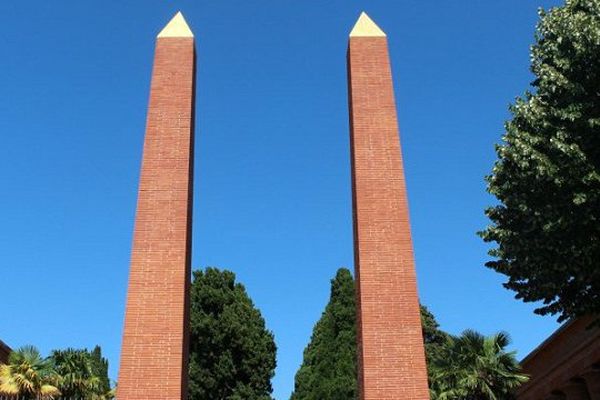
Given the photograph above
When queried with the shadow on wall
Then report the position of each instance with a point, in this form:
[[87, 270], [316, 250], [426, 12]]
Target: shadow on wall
[[566, 365]]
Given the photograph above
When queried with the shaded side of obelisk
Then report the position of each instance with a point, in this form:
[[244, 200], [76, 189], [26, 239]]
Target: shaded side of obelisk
[[154, 353], [390, 343]]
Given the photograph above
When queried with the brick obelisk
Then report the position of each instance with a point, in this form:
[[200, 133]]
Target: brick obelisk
[[390, 343], [154, 354]]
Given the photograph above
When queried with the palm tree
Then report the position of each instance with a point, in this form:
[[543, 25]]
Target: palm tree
[[28, 376], [475, 367], [77, 378]]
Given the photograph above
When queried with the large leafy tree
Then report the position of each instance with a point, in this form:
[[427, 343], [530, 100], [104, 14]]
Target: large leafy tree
[[232, 354], [475, 367], [329, 368], [547, 177], [28, 376]]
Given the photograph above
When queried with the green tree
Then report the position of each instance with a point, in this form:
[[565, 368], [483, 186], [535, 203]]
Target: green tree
[[329, 368], [100, 369], [328, 371], [434, 338], [77, 378], [547, 176], [232, 354], [475, 367], [28, 376]]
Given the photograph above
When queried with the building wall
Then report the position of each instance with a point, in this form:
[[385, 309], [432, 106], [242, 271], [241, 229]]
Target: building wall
[[566, 365], [4, 352]]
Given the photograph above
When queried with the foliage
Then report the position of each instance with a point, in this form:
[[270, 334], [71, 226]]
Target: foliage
[[475, 367], [232, 354], [434, 338], [66, 373], [329, 370], [28, 375], [78, 377], [100, 369], [547, 176]]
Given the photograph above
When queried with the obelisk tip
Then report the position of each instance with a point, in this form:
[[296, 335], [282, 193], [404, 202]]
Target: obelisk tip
[[365, 27], [177, 27]]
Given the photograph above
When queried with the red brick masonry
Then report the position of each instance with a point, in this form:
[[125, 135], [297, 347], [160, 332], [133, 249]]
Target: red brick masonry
[[565, 366], [391, 354], [155, 338]]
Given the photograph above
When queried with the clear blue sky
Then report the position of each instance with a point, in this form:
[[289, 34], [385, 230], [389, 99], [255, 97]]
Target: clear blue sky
[[272, 194]]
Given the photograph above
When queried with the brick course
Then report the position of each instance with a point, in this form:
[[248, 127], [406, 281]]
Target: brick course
[[566, 364], [391, 352], [155, 338]]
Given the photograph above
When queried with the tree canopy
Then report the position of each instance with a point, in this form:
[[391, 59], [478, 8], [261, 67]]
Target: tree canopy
[[328, 371], [28, 375], [232, 354], [434, 338], [83, 374], [467, 367], [100, 369], [69, 373], [329, 368], [474, 367], [547, 176]]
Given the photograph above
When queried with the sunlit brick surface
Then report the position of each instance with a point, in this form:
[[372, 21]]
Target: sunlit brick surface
[[154, 351], [391, 354]]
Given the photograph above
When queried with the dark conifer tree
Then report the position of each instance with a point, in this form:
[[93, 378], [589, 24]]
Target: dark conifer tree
[[100, 369], [329, 368], [328, 371], [232, 354]]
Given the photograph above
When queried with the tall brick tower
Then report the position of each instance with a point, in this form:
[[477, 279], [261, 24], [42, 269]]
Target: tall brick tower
[[154, 354], [391, 354]]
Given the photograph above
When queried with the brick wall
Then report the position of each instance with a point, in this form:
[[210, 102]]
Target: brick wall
[[391, 354], [154, 351], [566, 365]]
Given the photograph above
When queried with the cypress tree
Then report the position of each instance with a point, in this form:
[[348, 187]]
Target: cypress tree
[[100, 369], [232, 354], [329, 368], [328, 371]]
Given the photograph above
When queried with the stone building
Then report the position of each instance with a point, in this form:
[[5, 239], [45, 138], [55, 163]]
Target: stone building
[[566, 366]]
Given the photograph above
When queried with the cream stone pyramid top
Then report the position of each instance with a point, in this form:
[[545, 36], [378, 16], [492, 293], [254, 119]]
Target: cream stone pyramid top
[[177, 27], [366, 27]]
